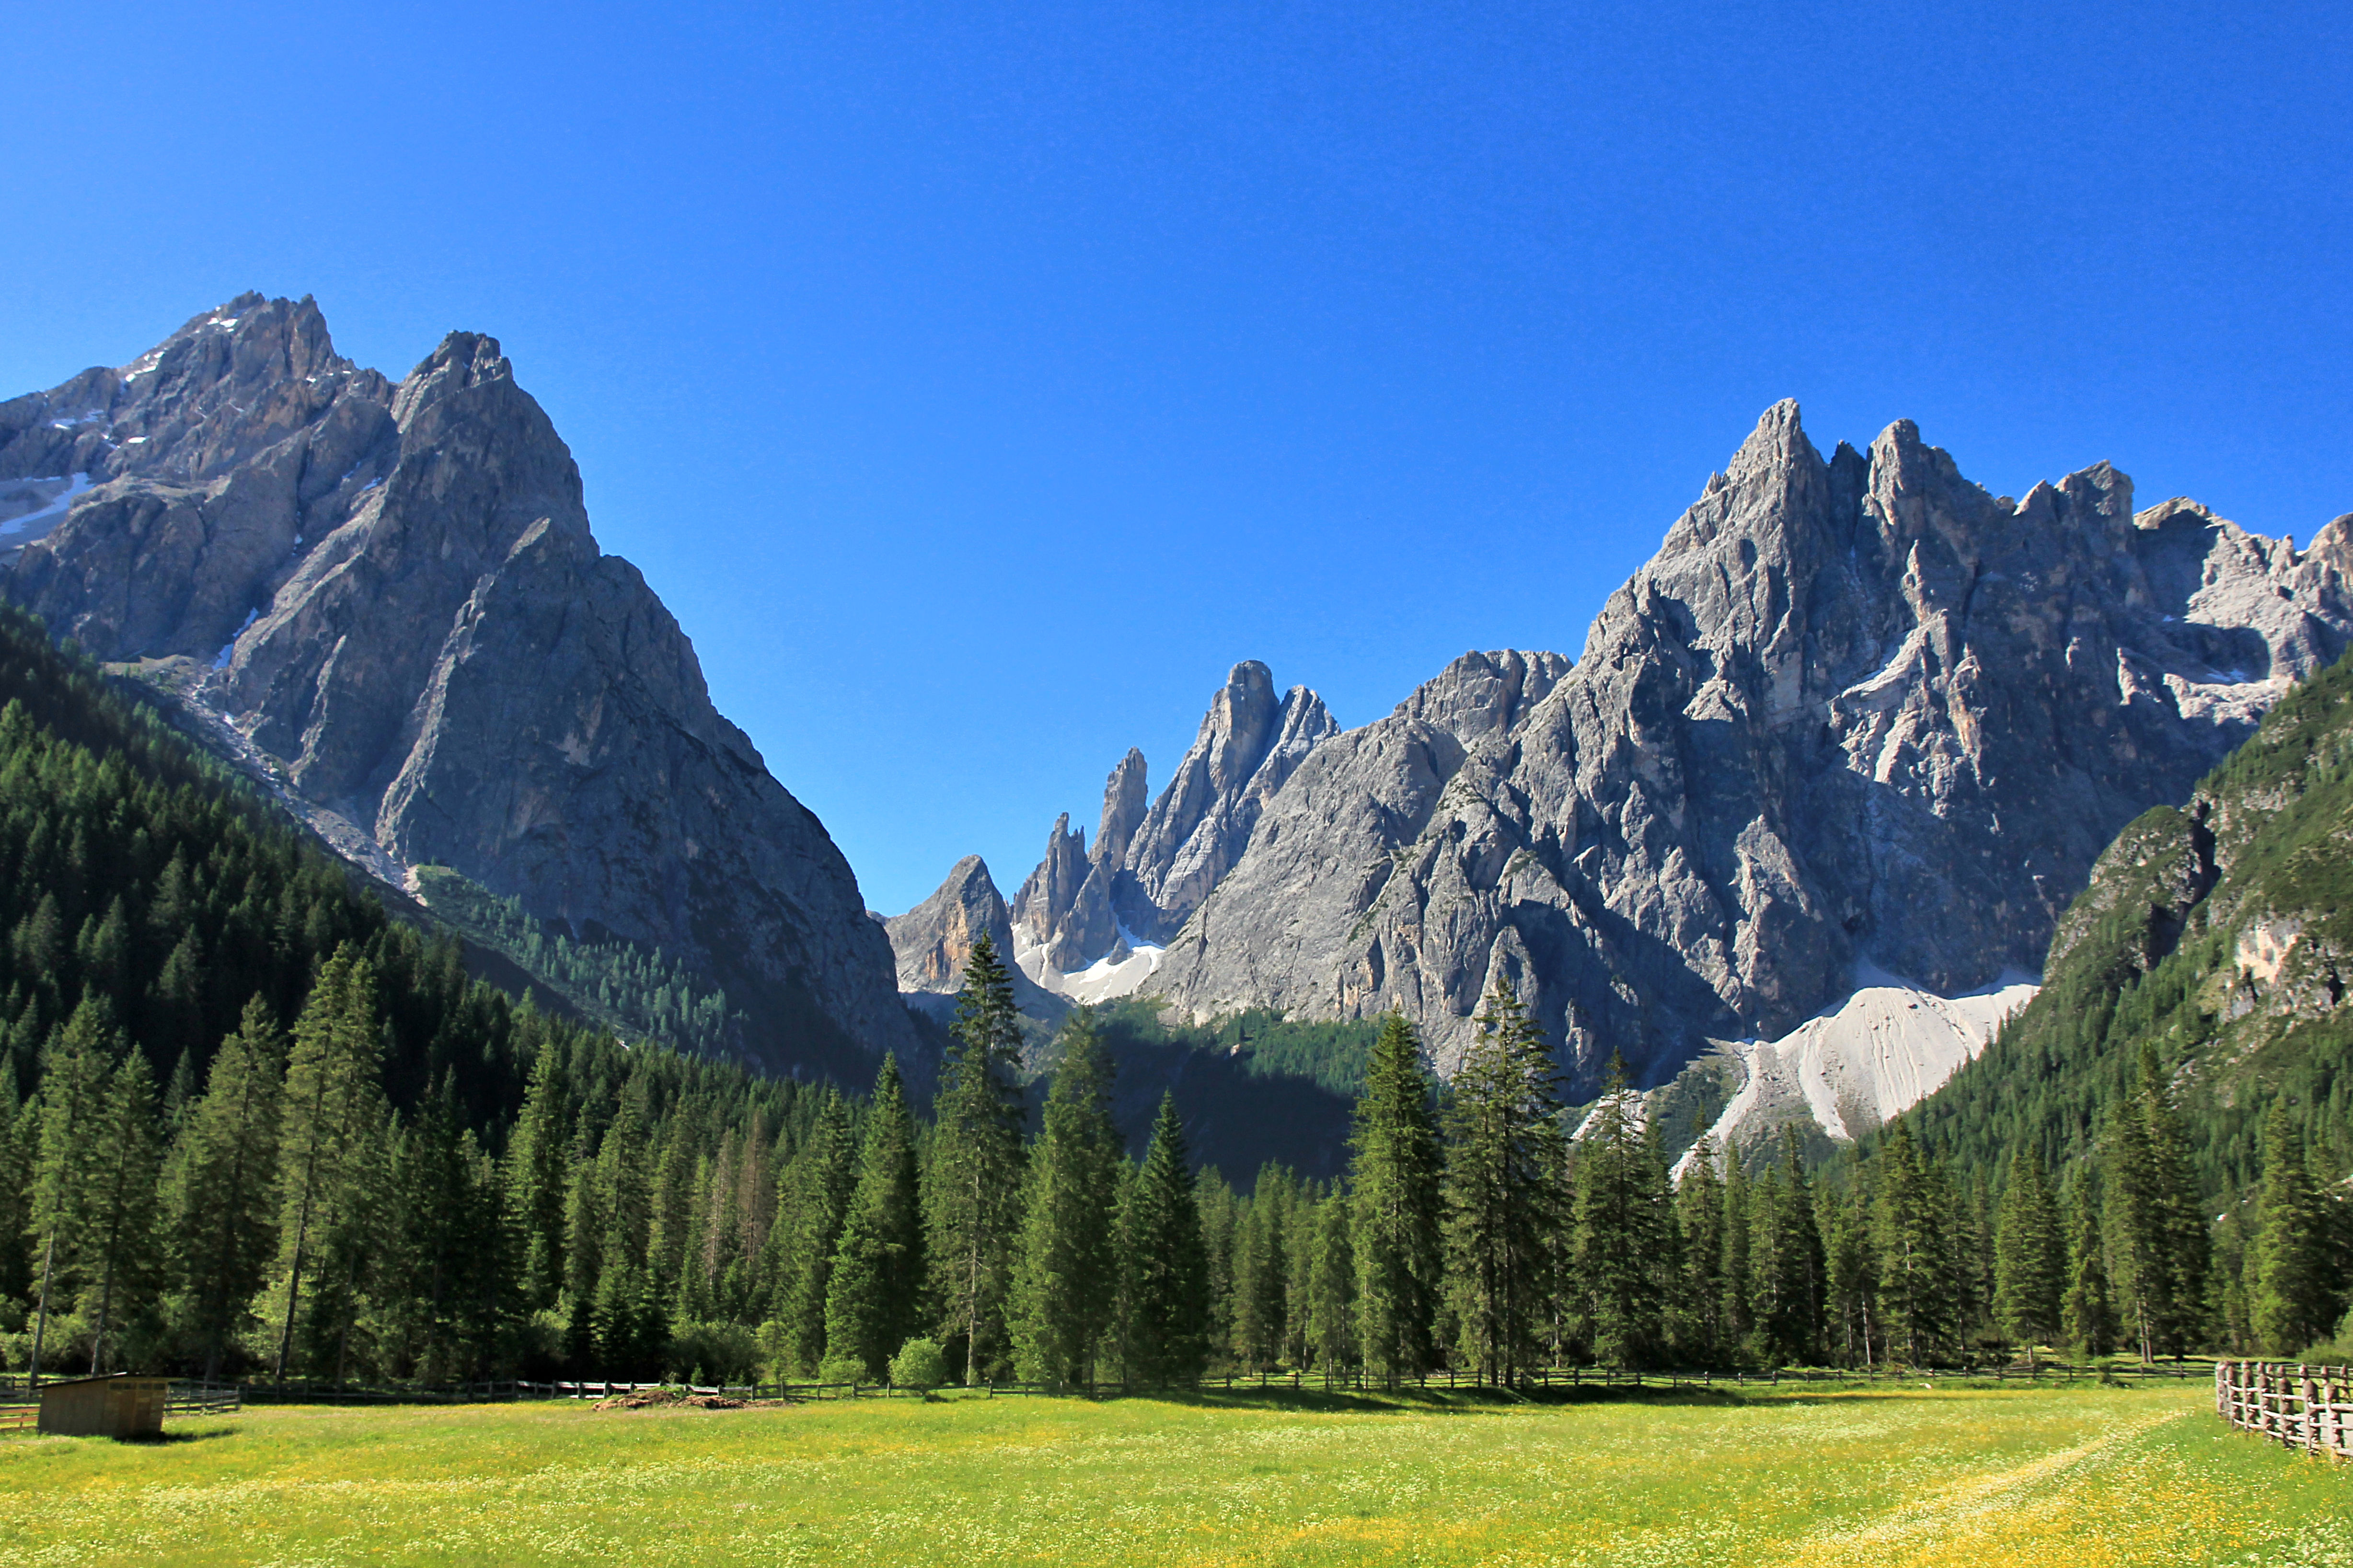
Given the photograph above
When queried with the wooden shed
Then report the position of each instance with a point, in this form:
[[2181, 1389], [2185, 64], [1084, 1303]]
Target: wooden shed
[[119, 1405]]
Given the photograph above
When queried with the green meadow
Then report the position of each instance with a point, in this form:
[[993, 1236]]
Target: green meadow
[[1876, 1476]]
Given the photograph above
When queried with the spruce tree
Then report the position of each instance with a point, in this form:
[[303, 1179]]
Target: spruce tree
[[1696, 1315], [874, 1299], [1065, 1281], [1501, 1215], [1332, 1284], [73, 1087], [1851, 1280], [1733, 1319], [331, 1122], [2294, 1304], [1620, 1231], [1789, 1287], [120, 1260], [1260, 1273], [972, 1207], [1167, 1268], [1914, 1268], [2029, 1255], [819, 1188], [1394, 1176], [537, 1172], [2157, 1239], [221, 1192], [2087, 1311]]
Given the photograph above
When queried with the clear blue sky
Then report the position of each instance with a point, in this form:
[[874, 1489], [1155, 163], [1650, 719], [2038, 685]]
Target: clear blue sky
[[978, 382]]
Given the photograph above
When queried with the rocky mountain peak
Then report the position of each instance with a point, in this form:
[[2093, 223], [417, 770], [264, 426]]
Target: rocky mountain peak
[[1843, 695], [393, 598]]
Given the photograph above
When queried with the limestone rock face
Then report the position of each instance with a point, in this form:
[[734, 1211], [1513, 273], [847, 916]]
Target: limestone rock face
[[1151, 866], [933, 940], [433, 648], [1855, 711]]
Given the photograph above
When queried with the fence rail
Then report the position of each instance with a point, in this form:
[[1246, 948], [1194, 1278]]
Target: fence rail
[[2307, 1408], [188, 1397]]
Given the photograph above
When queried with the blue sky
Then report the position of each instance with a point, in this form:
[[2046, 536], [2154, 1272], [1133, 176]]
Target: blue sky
[[976, 383]]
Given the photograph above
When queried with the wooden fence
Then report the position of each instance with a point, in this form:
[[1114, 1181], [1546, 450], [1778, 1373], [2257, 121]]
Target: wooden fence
[[2307, 1408]]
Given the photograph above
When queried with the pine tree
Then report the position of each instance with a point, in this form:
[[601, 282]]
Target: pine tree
[[1914, 1270], [1064, 1283], [1260, 1271], [2156, 1241], [1501, 1215], [1167, 1268], [1332, 1284], [1788, 1285], [1619, 1232], [1851, 1280], [120, 1263], [818, 1188], [2293, 1305], [2087, 1312], [73, 1086], [972, 1195], [2029, 1255], [332, 1123], [874, 1300], [221, 1194], [1394, 1175], [1733, 1319], [537, 1177], [1696, 1317]]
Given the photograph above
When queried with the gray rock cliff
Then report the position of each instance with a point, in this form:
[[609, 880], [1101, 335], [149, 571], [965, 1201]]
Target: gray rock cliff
[[394, 597], [1854, 708]]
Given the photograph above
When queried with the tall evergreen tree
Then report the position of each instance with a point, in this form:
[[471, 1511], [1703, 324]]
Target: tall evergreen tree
[[2087, 1312], [972, 1206], [73, 1089], [1064, 1284], [818, 1188], [2156, 1241], [1914, 1269], [1501, 1215], [1168, 1327], [537, 1172], [2295, 1303], [2029, 1255], [1787, 1262], [1331, 1283], [1261, 1270], [1394, 1176], [220, 1199], [1733, 1321], [120, 1265], [874, 1300], [1851, 1281], [1696, 1314], [333, 1121], [1620, 1229]]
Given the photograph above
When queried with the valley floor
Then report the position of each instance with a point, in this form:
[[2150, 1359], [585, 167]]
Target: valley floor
[[1983, 1477]]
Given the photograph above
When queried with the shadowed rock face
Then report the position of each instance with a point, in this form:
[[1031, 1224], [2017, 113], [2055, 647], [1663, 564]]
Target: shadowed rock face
[[433, 646], [1855, 708]]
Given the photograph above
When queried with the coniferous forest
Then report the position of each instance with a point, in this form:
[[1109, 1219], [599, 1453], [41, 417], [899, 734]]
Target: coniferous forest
[[253, 1124]]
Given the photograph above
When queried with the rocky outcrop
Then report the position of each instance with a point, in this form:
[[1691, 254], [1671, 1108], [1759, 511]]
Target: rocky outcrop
[[933, 941], [1855, 709], [395, 599], [1151, 867]]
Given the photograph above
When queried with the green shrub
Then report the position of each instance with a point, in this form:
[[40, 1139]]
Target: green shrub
[[919, 1364], [844, 1369]]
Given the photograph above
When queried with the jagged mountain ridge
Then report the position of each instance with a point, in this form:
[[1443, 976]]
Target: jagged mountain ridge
[[1856, 709], [1150, 867], [389, 597]]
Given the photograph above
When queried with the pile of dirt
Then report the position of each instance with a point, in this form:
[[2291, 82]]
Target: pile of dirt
[[664, 1398]]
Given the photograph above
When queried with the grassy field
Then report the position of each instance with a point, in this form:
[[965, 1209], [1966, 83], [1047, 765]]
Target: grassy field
[[1979, 1477]]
